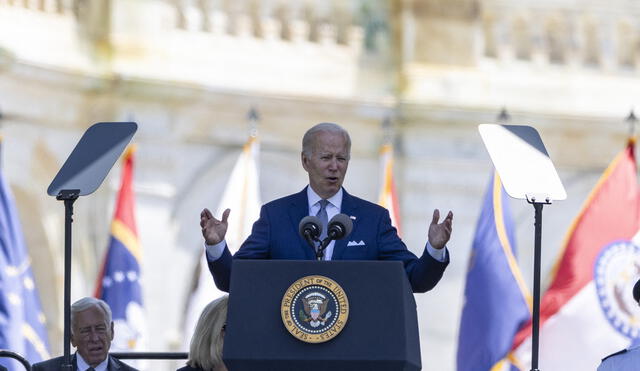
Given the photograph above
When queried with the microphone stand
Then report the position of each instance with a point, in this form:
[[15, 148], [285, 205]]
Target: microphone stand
[[310, 239], [313, 241], [336, 233], [323, 245]]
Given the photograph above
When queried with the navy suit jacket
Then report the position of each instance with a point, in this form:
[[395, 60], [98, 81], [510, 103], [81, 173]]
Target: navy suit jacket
[[55, 364], [275, 236]]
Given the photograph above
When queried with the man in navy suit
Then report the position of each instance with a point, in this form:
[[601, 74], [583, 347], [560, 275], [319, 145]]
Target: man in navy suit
[[325, 156]]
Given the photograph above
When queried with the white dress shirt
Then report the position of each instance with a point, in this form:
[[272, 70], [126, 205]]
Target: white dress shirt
[[83, 365]]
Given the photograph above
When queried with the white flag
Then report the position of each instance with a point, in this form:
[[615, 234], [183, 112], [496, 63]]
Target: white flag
[[242, 196]]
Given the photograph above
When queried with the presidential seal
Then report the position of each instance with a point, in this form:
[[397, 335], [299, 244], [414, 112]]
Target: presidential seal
[[314, 309], [616, 270]]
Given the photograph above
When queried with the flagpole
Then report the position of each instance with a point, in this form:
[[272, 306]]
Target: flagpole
[[253, 117], [387, 130], [632, 120]]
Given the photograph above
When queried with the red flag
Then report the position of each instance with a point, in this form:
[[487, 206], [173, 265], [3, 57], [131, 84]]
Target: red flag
[[587, 311], [119, 279]]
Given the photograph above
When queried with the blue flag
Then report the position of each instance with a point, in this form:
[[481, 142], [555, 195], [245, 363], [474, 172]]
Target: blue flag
[[22, 323], [496, 298]]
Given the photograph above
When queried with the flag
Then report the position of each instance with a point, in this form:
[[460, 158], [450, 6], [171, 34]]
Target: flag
[[588, 310], [22, 323], [497, 302], [119, 279], [388, 197], [242, 196]]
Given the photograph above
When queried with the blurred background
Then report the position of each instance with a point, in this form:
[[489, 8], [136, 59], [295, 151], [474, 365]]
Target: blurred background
[[198, 75]]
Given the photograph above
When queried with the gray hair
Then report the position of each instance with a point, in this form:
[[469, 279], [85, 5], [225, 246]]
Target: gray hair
[[309, 136], [87, 303], [205, 350]]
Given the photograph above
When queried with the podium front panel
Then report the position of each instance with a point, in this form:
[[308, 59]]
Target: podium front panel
[[381, 332]]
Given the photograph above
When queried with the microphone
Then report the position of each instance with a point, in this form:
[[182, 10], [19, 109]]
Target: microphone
[[339, 227], [310, 228]]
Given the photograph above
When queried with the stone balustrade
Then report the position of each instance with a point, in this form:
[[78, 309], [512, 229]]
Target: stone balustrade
[[549, 33], [46, 6], [577, 37], [328, 22]]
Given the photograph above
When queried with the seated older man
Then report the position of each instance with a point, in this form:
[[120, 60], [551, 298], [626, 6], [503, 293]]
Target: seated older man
[[91, 334]]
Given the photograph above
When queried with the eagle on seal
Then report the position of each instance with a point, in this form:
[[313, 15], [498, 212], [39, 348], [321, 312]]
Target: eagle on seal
[[315, 308]]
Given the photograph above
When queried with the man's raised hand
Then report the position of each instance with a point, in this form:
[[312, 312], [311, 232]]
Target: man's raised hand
[[439, 233], [213, 230]]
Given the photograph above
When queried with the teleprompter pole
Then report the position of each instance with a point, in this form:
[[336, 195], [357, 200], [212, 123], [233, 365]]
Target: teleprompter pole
[[527, 172], [69, 197], [535, 330], [80, 175]]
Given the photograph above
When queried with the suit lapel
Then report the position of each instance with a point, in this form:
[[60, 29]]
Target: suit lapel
[[298, 209], [112, 365], [348, 207]]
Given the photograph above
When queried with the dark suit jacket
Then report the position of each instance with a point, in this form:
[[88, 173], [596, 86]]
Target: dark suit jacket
[[54, 364], [275, 236]]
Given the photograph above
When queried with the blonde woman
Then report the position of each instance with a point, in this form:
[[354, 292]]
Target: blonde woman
[[205, 352]]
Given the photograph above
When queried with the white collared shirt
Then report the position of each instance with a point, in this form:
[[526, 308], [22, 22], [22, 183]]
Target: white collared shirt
[[83, 365]]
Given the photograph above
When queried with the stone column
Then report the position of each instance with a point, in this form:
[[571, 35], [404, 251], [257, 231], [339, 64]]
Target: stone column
[[445, 31], [93, 26]]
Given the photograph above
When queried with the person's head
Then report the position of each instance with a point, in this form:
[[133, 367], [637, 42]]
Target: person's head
[[326, 150], [636, 292], [206, 343], [91, 329]]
